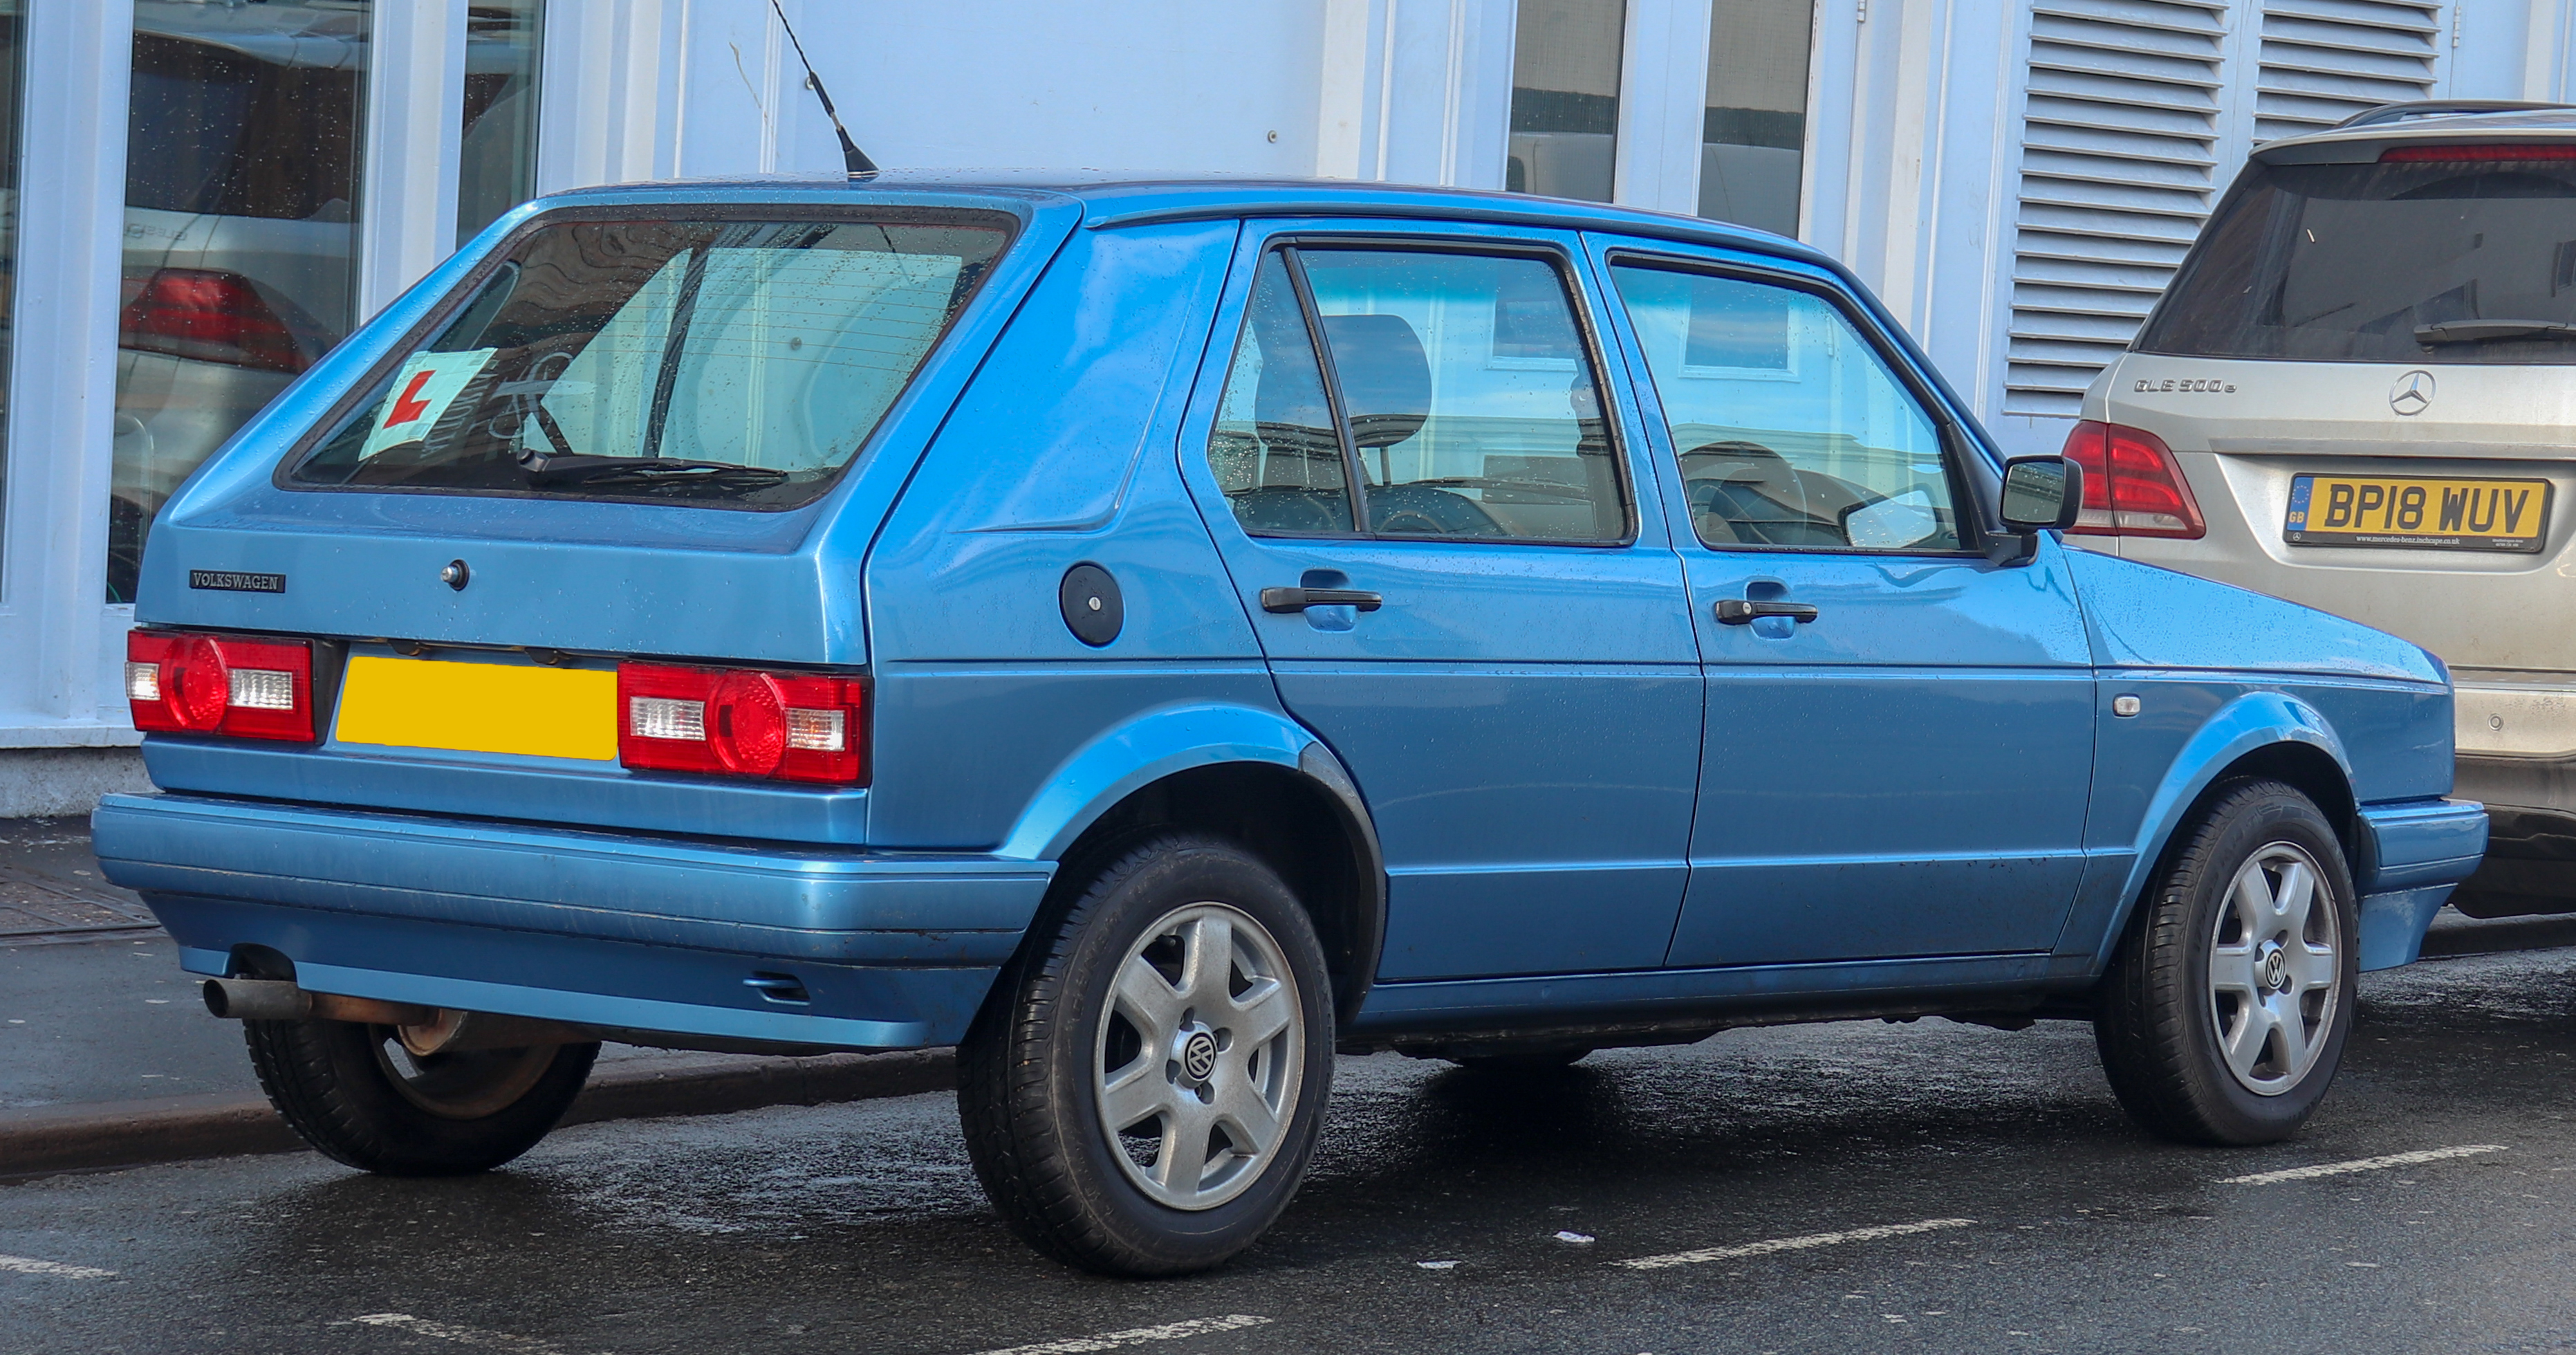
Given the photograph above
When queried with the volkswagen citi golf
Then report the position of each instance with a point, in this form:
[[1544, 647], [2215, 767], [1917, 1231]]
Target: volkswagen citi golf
[[1154, 635]]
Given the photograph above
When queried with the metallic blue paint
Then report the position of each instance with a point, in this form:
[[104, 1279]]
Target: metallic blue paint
[[1521, 717], [821, 904], [1593, 803]]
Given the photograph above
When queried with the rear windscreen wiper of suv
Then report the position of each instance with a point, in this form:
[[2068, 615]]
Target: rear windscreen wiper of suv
[[2488, 331], [654, 471]]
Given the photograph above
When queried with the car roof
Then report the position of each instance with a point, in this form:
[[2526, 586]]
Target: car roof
[[1113, 199], [2360, 139]]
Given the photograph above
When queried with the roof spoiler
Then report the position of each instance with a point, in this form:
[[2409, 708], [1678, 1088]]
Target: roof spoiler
[[2441, 108]]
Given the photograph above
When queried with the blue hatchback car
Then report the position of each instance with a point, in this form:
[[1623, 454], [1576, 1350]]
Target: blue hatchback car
[[1153, 635]]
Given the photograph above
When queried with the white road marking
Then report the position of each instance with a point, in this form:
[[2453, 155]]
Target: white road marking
[[2361, 1164], [1135, 1336], [1572, 1238], [1437, 1265], [449, 1331], [1781, 1244], [28, 1265]]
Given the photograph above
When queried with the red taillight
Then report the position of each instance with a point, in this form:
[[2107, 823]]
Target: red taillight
[[2402, 155], [207, 315], [2132, 485], [216, 684], [731, 722]]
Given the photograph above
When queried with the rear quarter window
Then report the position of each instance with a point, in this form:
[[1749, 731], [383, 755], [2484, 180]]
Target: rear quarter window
[[2430, 261], [739, 363]]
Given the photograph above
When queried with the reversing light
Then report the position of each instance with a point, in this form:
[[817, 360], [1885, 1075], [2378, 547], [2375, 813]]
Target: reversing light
[[177, 683], [2132, 484], [736, 722]]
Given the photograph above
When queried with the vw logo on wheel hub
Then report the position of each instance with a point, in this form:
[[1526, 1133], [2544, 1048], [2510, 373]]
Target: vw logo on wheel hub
[[1198, 1056], [2413, 393], [2272, 968]]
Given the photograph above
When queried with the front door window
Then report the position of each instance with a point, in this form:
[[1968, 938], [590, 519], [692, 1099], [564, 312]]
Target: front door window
[[1790, 429]]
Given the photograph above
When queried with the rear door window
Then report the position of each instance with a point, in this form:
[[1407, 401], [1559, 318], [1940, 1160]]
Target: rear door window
[[1453, 391], [739, 363], [2423, 259]]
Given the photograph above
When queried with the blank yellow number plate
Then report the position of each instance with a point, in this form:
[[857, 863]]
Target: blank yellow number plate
[[2379, 510], [479, 707]]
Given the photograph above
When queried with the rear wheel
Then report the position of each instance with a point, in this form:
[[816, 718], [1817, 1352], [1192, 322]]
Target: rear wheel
[[355, 1094], [1142, 1091], [2224, 1016]]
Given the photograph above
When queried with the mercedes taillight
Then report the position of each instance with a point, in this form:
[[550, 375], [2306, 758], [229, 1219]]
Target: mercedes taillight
[[2132, 485]]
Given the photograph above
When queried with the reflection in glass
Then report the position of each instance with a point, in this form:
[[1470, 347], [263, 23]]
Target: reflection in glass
[[242, 159], [1470, 400], [1753, 135], [1797, 435], [1565, 98], [12, 25], [498, 169]]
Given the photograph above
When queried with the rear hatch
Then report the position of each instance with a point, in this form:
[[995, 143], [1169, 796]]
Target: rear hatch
[[655, 426], [2366, 374]]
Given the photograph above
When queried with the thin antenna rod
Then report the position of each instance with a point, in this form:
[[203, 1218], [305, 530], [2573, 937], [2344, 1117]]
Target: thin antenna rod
[[860, 166]]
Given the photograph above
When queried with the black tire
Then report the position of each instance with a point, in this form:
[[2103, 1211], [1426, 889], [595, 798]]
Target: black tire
[[340, 1086], [1029, 1069], [2160, 1017]]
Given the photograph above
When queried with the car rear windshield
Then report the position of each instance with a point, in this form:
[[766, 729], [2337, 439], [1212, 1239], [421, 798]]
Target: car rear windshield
[[723, 363], [2469, 260]]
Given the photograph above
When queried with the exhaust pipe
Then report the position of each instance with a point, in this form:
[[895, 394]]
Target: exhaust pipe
[[281, 1000], [423, 1030]]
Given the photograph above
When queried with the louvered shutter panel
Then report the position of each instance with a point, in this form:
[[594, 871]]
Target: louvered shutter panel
[[2119, 167], [2325, 60]]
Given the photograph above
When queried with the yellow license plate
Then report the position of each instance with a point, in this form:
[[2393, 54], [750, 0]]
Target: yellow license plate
[[479, 707], [2386, 510]]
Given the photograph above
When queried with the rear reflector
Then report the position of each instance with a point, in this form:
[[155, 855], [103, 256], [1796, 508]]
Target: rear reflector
[[732, 722], [216, 684], [2553, 150], [2132, 485]]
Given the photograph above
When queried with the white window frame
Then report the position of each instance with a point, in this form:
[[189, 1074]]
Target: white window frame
[[62, 649]]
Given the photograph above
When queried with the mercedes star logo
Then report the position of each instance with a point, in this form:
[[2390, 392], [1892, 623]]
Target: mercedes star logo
[[2412, 393]]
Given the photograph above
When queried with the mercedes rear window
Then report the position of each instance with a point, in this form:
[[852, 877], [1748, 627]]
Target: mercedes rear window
[[733, 363], [2424, 261]]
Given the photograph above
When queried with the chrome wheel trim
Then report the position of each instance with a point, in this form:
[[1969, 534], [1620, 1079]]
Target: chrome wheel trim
[[2275, 969], [465, 1086], [1198, 1056]]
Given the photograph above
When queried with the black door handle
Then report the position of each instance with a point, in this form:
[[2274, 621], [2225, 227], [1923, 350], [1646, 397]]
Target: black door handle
[[1744, 611], [1299, 599]]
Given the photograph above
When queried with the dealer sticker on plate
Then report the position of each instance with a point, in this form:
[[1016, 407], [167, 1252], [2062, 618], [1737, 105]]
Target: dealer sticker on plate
[[2381, 510]]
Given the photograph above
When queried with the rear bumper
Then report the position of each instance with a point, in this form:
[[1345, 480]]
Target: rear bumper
[[2412, 856], [639, 933]]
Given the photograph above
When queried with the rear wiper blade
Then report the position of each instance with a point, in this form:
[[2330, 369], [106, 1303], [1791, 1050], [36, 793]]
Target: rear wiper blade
[[652, 470], [2488, 331]]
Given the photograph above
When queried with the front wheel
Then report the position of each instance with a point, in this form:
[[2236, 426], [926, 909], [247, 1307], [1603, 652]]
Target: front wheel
[[354, 1093], [2224, 1017], [1142, 1091]]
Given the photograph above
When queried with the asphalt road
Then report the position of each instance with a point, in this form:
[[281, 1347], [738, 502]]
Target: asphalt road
[[1448, 1211]]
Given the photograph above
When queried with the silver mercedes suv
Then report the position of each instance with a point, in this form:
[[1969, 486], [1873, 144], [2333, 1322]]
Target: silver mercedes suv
[[2359, 393]]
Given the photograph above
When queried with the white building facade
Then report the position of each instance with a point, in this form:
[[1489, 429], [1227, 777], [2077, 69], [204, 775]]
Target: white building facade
[[207, 193]]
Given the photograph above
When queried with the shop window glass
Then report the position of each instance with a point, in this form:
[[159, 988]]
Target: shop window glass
[[1753, 132], [242, 154], [1565, 98], [498, 167]]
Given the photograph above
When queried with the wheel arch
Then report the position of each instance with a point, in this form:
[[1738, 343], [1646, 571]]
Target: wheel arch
[[1249, 776], [2269, 734]]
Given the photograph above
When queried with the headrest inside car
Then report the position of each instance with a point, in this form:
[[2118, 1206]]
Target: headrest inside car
[[1386, 381]]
